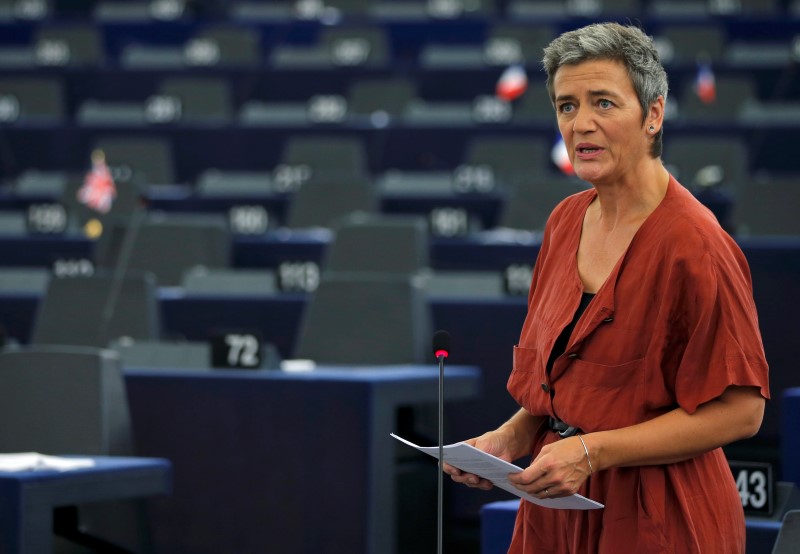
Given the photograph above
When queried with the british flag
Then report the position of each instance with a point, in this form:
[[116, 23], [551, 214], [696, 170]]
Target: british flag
[[98, 190]]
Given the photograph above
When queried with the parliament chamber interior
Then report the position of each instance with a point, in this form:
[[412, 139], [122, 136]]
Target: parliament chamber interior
[[248, 217]]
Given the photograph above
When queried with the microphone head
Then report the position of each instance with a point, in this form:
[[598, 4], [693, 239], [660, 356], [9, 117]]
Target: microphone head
[[441, 343]]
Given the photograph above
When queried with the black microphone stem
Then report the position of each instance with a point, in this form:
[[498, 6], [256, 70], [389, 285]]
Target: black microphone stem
[[441, 349], [440, 511]]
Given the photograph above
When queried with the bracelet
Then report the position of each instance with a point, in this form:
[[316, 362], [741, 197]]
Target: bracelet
[[591, 469]]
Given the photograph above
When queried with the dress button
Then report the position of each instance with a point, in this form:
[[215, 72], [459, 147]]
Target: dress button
[[545, 387], [572, 355], [608, 320]]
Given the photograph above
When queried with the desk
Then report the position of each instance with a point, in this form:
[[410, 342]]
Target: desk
[[27, 498], [270, 461]]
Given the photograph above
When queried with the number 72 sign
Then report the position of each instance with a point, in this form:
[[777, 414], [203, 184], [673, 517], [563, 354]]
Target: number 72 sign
[[756, 487]]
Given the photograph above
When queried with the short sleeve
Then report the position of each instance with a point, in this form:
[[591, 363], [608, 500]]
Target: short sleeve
[[716, 316]]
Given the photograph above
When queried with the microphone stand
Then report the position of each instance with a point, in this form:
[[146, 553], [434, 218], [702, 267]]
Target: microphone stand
[[118, 275], [441, 349], [440, 508]]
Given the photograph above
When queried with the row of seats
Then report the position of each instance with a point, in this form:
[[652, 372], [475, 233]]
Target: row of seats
[[365, 45], [372, 101], [194, 254], [496, 161], [759, 209], [373, 266], [167, 10], [501, 182]]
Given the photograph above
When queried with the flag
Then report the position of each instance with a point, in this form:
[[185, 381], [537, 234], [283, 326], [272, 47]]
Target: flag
[[512, 84], [98, 190], [560, 156], [704, 83]]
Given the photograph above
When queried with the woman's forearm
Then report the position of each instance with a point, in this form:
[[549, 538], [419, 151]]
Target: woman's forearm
[[521, 429], [677, 435]]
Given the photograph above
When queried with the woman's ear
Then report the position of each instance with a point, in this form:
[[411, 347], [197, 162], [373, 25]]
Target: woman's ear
[[655, 116]]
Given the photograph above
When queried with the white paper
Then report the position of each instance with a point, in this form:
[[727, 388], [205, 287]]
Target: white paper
[[33, 461], [470, 459]]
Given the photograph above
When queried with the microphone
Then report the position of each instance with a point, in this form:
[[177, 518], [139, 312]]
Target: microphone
[[441, 343], [441, 349]]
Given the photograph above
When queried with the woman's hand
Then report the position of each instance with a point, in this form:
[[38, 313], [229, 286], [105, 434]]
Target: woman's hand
[[508, 442], [496, 443], [559, 470]]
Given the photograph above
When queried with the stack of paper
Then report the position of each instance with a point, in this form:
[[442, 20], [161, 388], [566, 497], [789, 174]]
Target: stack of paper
[[470, 459], [33, 461]]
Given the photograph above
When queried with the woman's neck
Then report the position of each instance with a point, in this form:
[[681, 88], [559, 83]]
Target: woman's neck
[[629, 200]]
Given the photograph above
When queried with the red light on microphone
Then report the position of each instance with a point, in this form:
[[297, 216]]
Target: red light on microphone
[[441, 344]]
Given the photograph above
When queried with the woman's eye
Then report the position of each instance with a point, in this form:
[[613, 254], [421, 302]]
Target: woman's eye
[[566, 108], [605, 104]]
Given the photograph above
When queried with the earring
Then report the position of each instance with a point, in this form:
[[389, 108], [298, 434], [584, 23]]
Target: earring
[[652, 129]]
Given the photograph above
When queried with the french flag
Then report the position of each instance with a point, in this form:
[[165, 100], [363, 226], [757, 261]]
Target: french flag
[[704, 83], [560, 157], [512, 83]]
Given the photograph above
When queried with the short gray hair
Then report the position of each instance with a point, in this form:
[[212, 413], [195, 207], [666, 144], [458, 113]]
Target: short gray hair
[[612, 41]]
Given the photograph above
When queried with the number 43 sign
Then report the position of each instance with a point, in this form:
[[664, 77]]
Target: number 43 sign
[[756, 486]]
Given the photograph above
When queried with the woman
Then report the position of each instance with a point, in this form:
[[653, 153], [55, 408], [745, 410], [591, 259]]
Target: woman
[[641, 342]]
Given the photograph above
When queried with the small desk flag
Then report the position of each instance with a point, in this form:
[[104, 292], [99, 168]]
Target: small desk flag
[[98, 190]]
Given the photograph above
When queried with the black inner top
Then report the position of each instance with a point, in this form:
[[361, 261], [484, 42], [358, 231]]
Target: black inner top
[[561, 342]]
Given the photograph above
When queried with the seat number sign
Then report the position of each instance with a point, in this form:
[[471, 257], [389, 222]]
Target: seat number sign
[[756, 486]]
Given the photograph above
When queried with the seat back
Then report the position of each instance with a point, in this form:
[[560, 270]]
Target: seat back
[[348, 46], [142, 160], [531, 201], [204, 99], [681, 43], [69, 45], [366, 318], [789, 535], [167, 246], [699, 160], [768, 208], [90, 311], [31, 99], [157, 354], [72, 400], [391, 96], [321, 201], [63, 400], [329, 155], [510, 158], [517, 43], [732, 95], [224, 45], [379, 243]]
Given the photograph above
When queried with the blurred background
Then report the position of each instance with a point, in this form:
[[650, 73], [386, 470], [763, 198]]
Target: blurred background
[[215, 189]]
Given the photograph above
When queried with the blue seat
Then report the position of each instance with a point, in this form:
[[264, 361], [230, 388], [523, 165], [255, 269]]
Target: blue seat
[[790, 441], [789, 537], [497, 526]]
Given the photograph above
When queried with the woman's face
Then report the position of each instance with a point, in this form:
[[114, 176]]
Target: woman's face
[[600, 118]]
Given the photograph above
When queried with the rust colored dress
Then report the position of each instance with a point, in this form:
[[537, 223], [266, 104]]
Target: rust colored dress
[[673, 326]]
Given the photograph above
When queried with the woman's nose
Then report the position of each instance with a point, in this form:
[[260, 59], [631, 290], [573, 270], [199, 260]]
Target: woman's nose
[[583, 121]]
